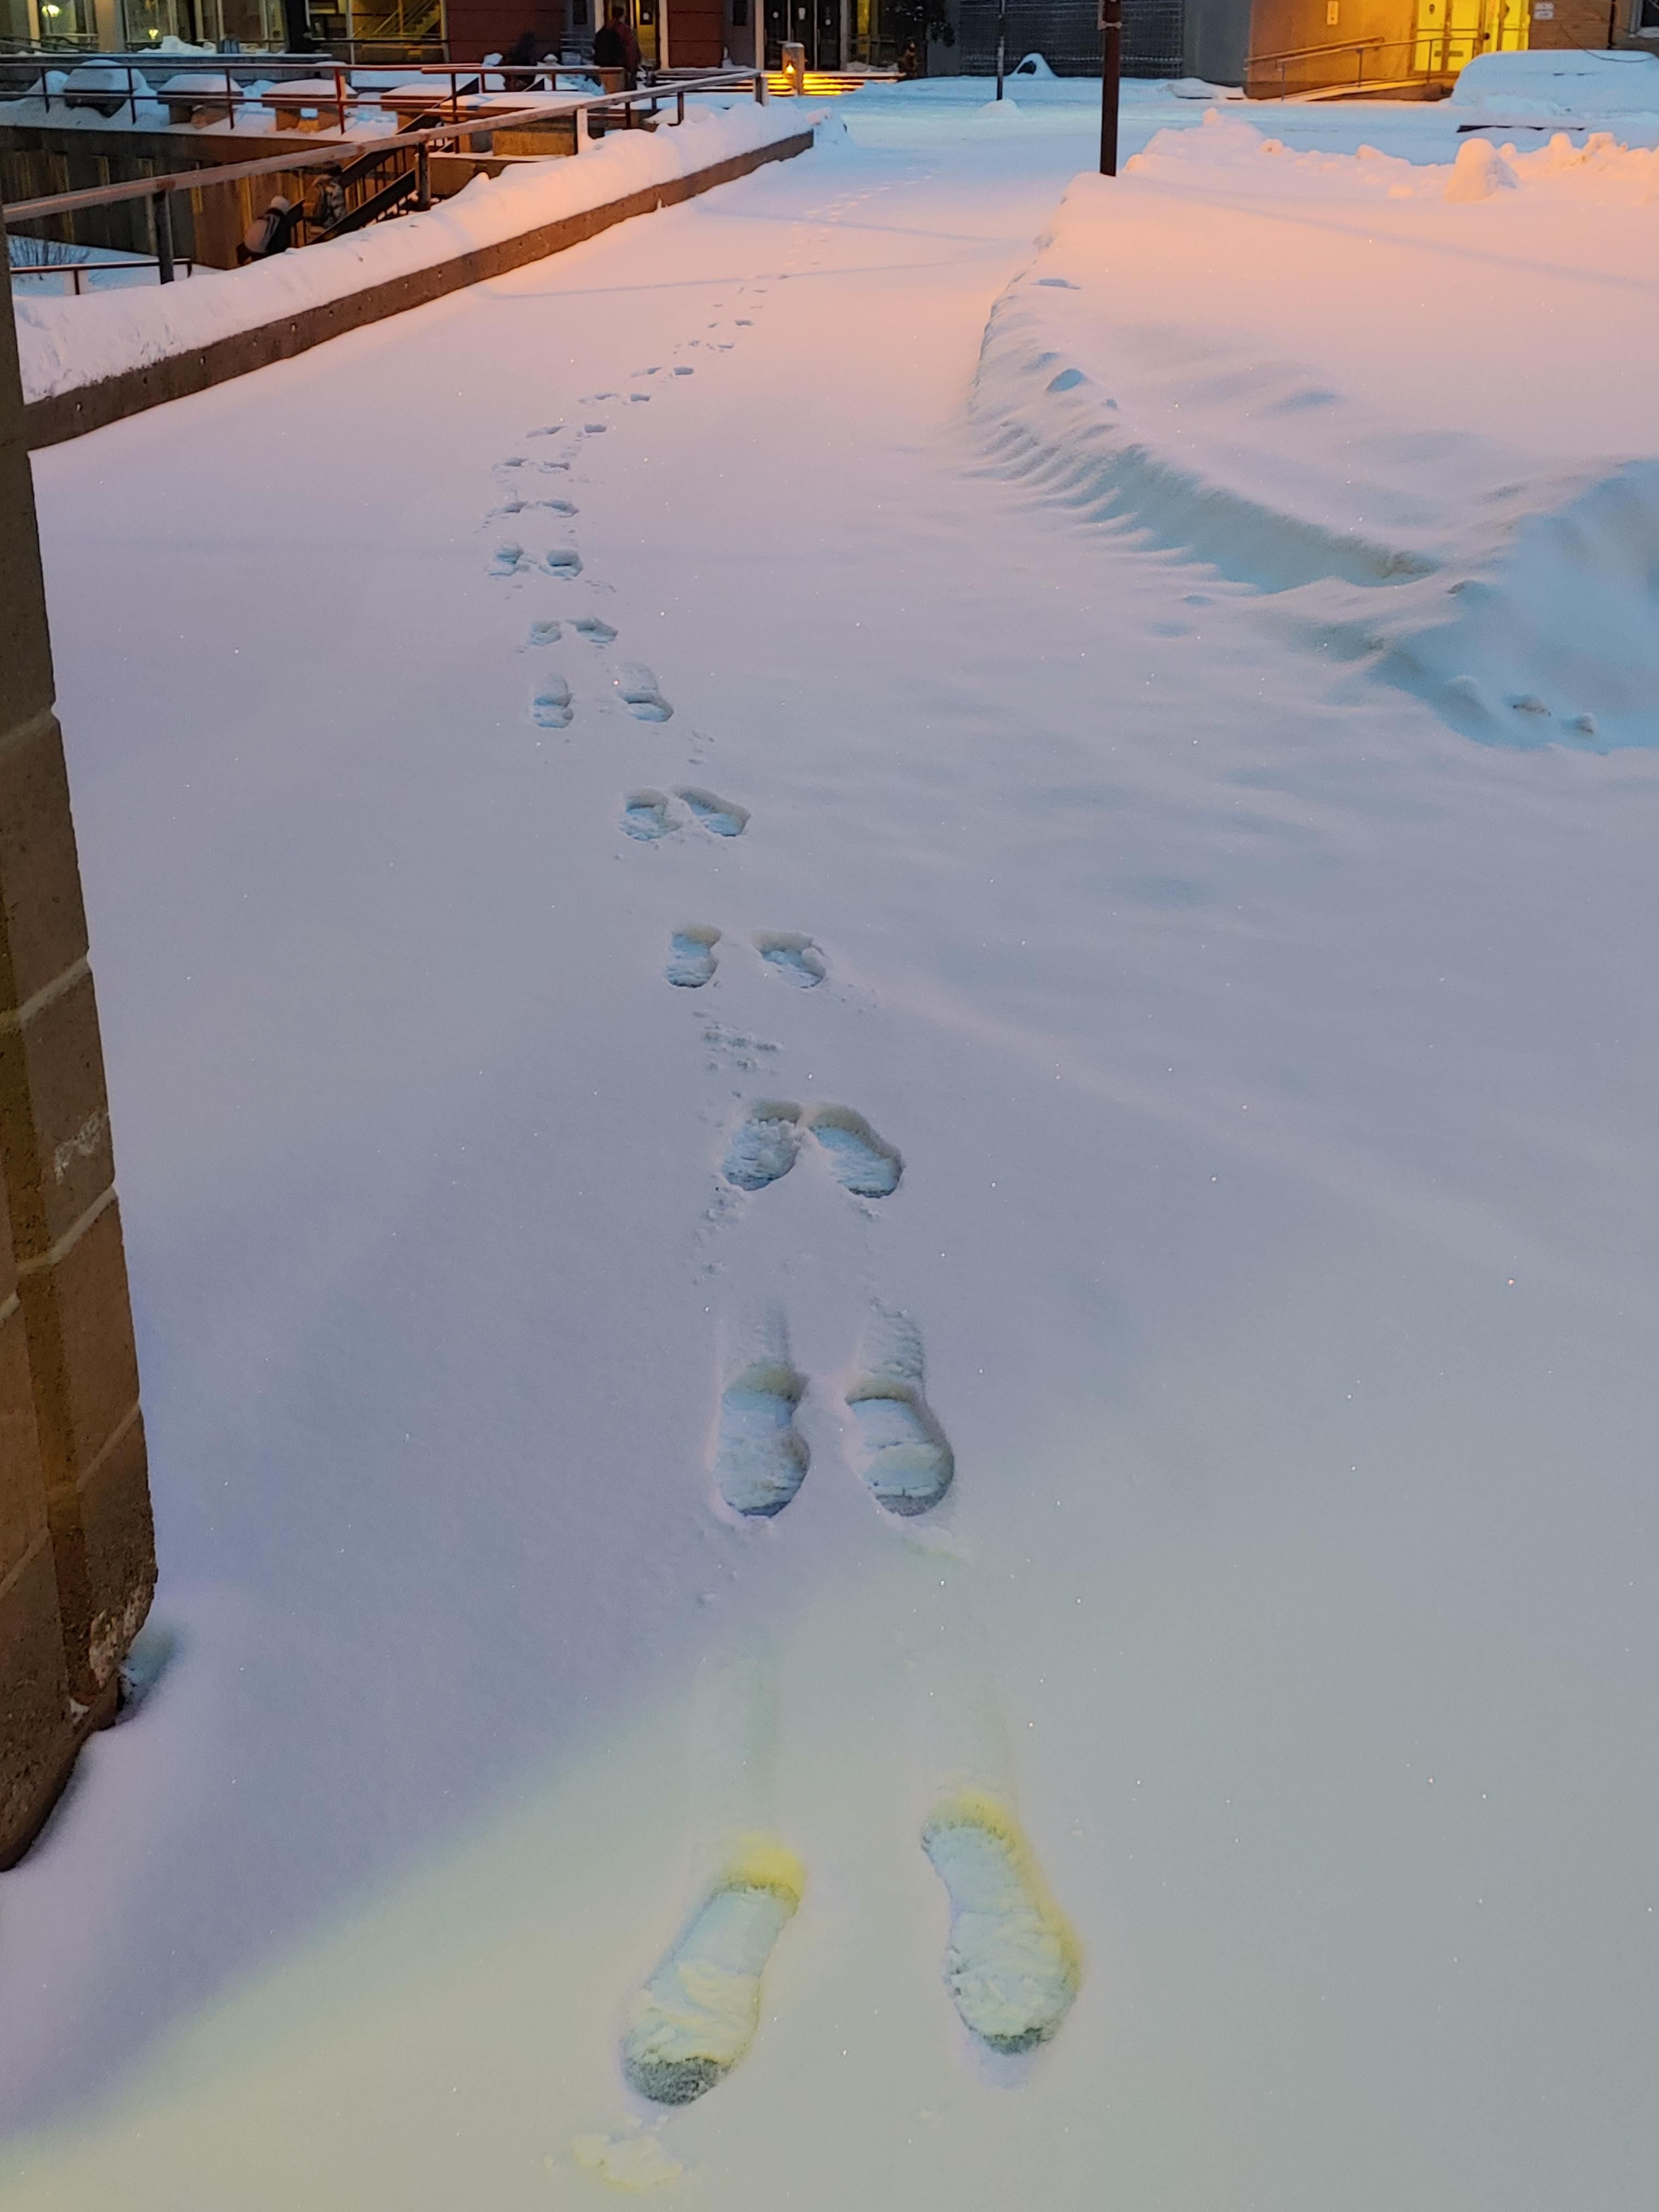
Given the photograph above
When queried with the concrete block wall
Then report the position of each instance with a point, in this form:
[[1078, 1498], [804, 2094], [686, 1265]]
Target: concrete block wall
[[77, 1560]]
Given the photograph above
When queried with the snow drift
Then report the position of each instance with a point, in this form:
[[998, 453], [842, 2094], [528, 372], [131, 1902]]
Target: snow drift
[[1520, 598]]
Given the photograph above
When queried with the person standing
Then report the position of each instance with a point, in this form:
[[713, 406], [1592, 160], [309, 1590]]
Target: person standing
[[519, 76], [615, 46]]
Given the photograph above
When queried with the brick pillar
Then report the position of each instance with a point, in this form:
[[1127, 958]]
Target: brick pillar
[[77, 1563]]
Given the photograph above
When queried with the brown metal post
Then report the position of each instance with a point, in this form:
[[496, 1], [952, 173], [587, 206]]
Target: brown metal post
[[1111, 67], [77, 1560], [164, 270]]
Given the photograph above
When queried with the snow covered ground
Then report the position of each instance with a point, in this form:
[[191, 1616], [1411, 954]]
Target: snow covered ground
[[1245, 1058]]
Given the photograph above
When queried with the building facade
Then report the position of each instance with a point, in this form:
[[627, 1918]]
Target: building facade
[[1264, 44]]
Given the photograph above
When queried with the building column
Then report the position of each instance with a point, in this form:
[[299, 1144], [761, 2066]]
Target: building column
[[77, 1562]]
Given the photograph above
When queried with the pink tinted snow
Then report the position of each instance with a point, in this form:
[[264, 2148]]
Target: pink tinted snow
[[1354, 373]]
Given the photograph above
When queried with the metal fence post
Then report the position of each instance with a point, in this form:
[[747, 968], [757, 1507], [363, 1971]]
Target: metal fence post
[[163, 213], [423, 175]]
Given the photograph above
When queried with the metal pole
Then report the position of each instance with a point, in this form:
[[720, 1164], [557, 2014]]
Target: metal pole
[[1002, 40], [163, 211], [1111, 69], [423, 175]]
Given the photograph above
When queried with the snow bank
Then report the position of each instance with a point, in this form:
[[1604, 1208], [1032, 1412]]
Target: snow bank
[[1512, 583], [1560, 82], [63, 343], [1235, 160]]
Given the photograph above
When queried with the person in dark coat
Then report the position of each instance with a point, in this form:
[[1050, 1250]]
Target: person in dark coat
[[615, 46], [517, 75]]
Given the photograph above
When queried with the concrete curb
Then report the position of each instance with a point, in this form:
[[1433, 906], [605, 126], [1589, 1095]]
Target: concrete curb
[[90, 406]]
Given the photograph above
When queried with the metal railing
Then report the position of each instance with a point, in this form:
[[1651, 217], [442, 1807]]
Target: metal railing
[[75, 270], [226, 83], [158, 190], [1425, 42]]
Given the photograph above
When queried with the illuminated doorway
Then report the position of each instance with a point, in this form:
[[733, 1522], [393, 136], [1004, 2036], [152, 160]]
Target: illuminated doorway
[[1451, 32]]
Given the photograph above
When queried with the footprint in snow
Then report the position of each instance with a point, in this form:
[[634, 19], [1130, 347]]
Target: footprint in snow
[[649, 815], [590, 626], [860, 1160], [697, 2014], [723, 817], [508, 560], [908, 1463], [764, 1144], [551, 708], [760, 1458], [641, 694], [544, 633], [792, 956], [1011, 1963], [563, 560], [691, 956]]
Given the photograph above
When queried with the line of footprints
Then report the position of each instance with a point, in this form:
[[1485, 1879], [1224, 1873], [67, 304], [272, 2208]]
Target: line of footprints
[[1012, 1964]]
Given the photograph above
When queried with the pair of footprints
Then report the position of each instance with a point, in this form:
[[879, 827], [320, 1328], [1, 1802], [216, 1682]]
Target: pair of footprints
[[1012, 1964], [649, 815], [636, 686], [511, 559], [761, 1458], [693, 957], [767, 1143]]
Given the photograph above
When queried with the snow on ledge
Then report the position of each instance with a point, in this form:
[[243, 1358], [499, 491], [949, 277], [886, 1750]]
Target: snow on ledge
[[63, 343]]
